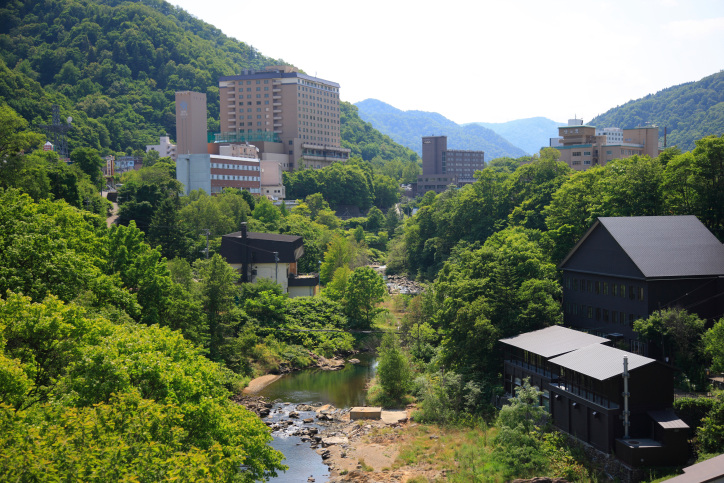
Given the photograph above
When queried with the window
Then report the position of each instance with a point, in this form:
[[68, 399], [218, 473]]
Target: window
[[614, 289], [576, 153], [586, 153], [589, 284], [641, 293], [598, 313], [598, 287], [614, 316], [623, 290], [621, 318], [631, 292], [590, 312], [605, 288], [605, 315]]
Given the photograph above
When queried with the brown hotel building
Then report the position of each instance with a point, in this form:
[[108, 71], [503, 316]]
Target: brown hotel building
[[291, 117], [581, 148]]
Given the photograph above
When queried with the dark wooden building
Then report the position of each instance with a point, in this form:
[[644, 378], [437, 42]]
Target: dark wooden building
[[271, 256], [583, 386], [626, 268]]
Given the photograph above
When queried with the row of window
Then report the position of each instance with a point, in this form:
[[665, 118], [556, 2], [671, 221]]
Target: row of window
[[243, 167], [602, 288], [600, 314], [232, 177]]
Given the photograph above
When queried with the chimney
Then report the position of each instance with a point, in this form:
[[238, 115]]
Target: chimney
[[244, 255]]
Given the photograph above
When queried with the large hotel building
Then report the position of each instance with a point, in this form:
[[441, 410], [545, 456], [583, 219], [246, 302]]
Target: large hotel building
[[583, 146], [442, 167], [293, 118]]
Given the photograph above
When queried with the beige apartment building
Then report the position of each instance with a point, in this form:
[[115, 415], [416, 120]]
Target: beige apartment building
[[581, 146], [293, 118], [191, 123]]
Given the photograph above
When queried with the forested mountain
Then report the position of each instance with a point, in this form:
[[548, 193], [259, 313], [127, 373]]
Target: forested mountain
[[408, 127], [114, 66], [688, 111], [528, 134]]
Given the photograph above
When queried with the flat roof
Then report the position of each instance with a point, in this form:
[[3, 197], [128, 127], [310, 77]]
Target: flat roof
[[277, 75], [553, 341], [600, 362]]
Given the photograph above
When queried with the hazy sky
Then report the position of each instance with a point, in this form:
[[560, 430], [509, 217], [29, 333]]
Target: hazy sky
[[480, 60]]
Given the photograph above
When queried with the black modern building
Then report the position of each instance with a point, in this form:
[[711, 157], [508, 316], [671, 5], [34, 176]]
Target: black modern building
[[626, 268], [616, 401]]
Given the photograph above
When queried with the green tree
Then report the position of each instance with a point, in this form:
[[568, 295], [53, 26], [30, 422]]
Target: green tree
[[519, 441], [365, 290], [713, 340], [393, 371], [218, 291], [375, 220], [90, 162], [675, 335]]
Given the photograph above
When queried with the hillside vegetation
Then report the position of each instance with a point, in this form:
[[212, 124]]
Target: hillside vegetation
[[408, 127], [114, 66], [688, 111]]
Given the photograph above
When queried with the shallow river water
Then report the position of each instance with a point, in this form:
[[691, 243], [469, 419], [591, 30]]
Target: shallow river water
[[342, 389]]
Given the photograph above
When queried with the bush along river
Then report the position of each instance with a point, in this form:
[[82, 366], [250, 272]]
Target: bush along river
[[304, 409]]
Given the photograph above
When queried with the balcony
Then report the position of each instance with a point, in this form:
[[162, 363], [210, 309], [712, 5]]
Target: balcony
[[584, 394], [532, 368]]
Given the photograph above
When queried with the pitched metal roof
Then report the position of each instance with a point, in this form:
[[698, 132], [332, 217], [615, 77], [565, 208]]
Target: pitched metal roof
[[553, 341], [664, 246], [668, 419], [709, 470], [600, 361]]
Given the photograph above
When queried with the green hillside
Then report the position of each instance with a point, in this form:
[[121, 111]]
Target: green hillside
[[408, 127], [114, 66], [688, 112]]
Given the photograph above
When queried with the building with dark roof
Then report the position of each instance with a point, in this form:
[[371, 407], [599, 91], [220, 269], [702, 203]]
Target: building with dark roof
[[443, 167], [616, 401], [626, 268], [711, 470], [271, 256]]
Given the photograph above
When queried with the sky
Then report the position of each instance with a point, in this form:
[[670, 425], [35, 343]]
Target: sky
[[482, 60]]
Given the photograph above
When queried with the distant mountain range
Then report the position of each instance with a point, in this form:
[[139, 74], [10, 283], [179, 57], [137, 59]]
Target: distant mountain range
[[528, 134], [408, 127], [688, 111]]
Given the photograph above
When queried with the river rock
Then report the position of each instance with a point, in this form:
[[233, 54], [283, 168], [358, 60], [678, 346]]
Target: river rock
[[308, 420], [353, 361], [334, 440], [294, 415]]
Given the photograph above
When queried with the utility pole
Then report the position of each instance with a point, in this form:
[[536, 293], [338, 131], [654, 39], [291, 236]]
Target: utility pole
[[207, 232], [276, 266]]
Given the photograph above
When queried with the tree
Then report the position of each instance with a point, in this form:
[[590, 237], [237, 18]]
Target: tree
[[675, 335], [519, 442], [375, 220], [713, 340], [365, 289], [167, 231], [218, 291], [90, 162], [393, 370]]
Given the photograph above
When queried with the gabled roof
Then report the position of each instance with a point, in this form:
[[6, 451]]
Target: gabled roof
[[552, 341], [261, 247], [600, 362], [667, 419], [663, 246]]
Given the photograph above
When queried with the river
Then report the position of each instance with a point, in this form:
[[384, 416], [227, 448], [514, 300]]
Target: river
[[342, 389]]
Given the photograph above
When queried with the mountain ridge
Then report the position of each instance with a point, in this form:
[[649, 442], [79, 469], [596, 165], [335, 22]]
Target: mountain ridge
[[408, 127]]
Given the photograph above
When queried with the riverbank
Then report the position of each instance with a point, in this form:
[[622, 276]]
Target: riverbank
[[354, 451], [256, 385]]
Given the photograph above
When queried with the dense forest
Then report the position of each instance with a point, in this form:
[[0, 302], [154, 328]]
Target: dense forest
[[688, 111]]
